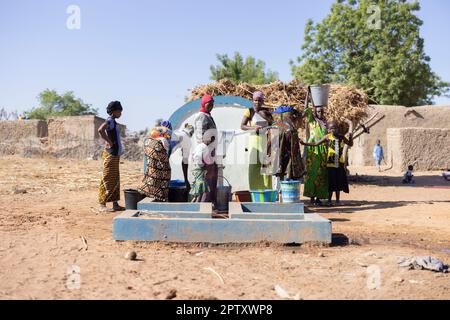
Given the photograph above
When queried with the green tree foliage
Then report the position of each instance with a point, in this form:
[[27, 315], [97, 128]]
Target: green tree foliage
[[238, 69], [52, 104], [375, 45]]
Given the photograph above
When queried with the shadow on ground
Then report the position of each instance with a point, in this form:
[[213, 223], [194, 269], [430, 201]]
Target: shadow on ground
[[426, 181], [357, 206]]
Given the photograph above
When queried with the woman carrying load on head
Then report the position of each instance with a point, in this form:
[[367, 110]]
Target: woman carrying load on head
[[256, 119], [316, 179], [155, 184]]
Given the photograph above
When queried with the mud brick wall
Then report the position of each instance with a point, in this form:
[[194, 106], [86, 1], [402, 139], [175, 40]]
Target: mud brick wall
[[14, 130], [425, 149], [76, 137], [23, 137], [396, 117]]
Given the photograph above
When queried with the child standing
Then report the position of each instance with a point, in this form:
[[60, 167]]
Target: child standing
[[109, 190], [201, 157], [378, 155], [337, 175]]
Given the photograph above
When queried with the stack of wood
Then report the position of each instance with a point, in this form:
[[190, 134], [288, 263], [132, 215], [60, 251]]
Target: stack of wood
[[345, 102]]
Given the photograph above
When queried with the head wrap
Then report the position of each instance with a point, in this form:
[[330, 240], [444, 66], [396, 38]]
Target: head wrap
[[113, 106], [162, 134], [283, 109], [166, 124], [205, 99], [258, 95]]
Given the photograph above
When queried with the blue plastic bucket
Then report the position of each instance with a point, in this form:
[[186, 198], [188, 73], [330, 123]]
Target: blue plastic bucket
[[290, 191], [177, 183], [264, 195]]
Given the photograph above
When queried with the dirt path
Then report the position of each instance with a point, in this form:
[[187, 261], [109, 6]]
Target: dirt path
[[40, 234]]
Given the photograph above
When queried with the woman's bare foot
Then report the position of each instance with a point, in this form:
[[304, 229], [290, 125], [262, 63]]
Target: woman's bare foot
[[103, 209], [116, 207]]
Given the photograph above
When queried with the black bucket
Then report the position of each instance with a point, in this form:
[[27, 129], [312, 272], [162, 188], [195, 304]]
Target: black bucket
[[132, 197], [178, 191]]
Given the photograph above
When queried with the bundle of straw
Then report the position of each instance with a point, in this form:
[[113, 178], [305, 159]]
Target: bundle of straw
[[345, 102]]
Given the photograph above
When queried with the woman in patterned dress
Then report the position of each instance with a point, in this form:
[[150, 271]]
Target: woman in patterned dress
[[155, 184]]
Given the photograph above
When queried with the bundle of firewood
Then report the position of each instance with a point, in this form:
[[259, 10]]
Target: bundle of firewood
[[344, 102]]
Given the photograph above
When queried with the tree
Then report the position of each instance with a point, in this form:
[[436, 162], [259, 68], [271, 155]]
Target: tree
[[375, 45], [52, 104], [237, 70]]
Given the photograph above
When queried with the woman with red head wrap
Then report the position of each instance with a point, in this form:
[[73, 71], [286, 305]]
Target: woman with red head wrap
[[206, 132]]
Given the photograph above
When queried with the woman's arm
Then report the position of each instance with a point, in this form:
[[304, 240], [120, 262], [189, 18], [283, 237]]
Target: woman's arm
[[244, 124], [246, 127], [348, 141], [323, 140], [102, 133]]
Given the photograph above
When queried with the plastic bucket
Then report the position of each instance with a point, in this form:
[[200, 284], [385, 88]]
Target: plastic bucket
[[223, 196], [319, 95], [264, 195], [178, 191], [290, 191], [132, 197], [243, 196], [177, 183]]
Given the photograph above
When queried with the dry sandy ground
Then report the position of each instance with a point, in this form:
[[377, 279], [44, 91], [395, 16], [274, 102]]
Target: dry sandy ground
[[381, 220]]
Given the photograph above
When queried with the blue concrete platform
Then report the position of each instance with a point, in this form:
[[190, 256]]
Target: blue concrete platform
[[203, 207], [247, 223]]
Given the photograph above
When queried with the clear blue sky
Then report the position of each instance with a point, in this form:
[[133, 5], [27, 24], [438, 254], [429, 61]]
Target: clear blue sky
[[148, 53]]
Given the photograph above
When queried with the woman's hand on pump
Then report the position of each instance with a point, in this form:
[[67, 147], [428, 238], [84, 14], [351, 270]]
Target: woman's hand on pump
[[257, 128]]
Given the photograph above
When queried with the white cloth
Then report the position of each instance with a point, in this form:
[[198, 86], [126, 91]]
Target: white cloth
[[202, 155], [182, 141]]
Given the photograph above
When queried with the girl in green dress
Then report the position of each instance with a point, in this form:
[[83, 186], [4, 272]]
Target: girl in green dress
[[337, 175], [201, 158]]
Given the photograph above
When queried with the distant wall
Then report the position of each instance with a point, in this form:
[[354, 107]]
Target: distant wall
[[11, 130], [425, 149], [63, 129], [22, 136], [75, 137], [434, 117]]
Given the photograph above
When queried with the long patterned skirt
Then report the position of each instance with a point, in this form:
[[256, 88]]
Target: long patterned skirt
[[200, 185], [316, 178], [155, 184], [109, 190]]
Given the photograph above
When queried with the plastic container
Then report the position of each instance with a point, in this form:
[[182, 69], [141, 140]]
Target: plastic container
[[178, 191], [290, 191], [176, 183], [132, 197], [223, 196], [264, 195], [319, 95], [243, 196]]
